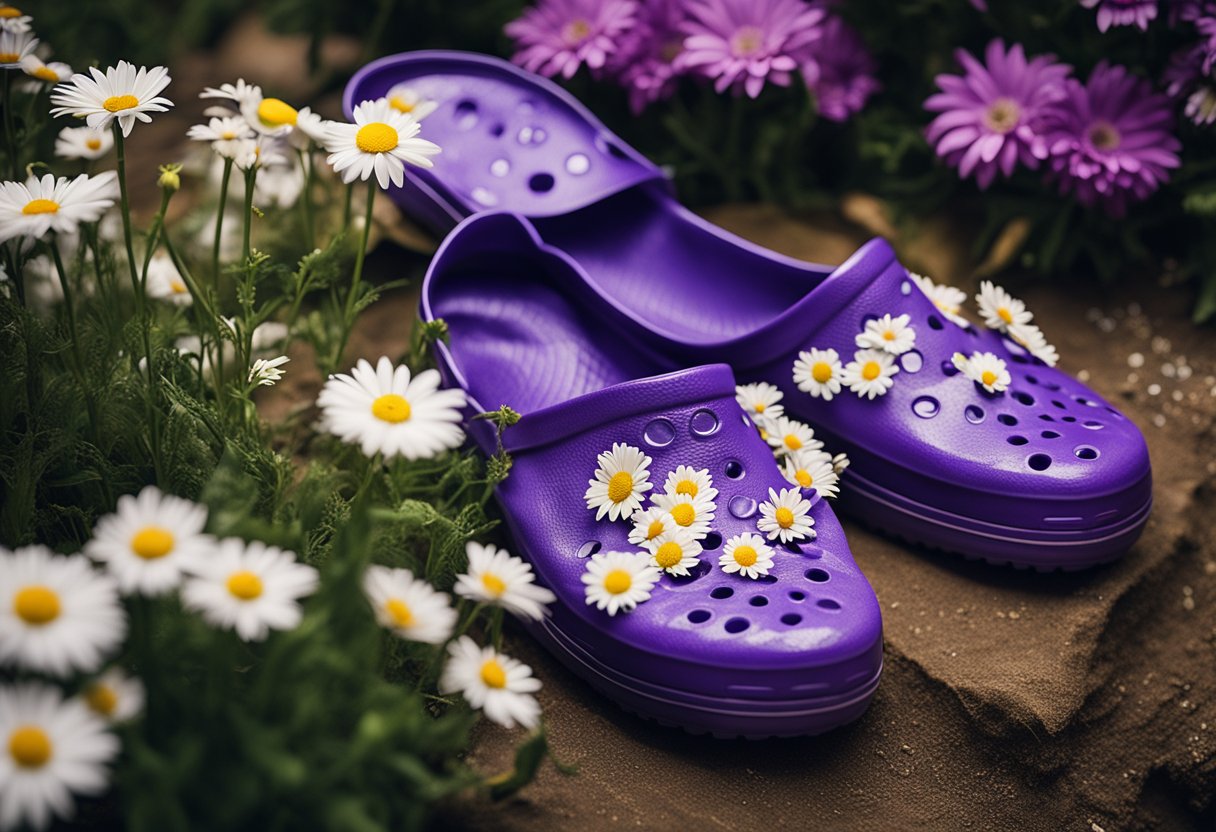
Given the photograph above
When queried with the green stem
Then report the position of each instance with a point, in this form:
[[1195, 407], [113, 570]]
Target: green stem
[[10, 142], [219, 221], [350, 193], [348, 312], [306, 199]]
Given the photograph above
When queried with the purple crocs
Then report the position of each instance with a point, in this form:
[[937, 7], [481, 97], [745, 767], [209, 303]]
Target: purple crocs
[[962, 437], [785, 639]]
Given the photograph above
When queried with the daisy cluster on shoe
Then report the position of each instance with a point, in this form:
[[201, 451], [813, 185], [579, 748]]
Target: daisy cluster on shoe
[[801, 456]]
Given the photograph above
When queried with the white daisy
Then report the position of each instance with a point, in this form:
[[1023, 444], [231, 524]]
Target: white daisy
[[839, 463], [492, 682], [648, 525], [748, 555], [309, 126], [249, 587], [869, 373], [83, 143], [1000, 309], [50, 749], [812, 470], [384, 411], [150, 541], [691, 513], [949, 300], [888, 334], [619, 581], [985, 369], [37, 206], [269, 116], [52, 73], [57, 614], [12, 19], [223, 133], [405, 99], [786, 516], [265, 372], [260, 152], [622, 476], [114, 696], [691, 481], [123, 92], [237, 93], [675, 552], [790, 436], [818, 372], [165, 281], [496, 577], [15, 46], [380, 141], [1032, 339], [407, 606], [760, 400]]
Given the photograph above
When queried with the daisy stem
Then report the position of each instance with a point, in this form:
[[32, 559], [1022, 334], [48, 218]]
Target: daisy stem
[[306, 199], [350, 193], [77, 359], [348, 314], [496, 628], [10, 143], [219, 221]]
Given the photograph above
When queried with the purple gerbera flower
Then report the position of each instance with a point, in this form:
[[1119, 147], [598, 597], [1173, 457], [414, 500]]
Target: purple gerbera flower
[[556, 37], [841, 71], [645, 61], [1110, 139], [991, 118], [1206, 25], [744, 43], [1123, 12]]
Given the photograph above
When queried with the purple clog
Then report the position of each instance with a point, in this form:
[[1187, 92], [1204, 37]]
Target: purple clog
[[795, 651], [963, 437]]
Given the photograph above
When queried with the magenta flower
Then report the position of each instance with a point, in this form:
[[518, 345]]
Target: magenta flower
[[841, 71], [645, 61], [1110, 139], [556, 37], [1123, 12], [1206, 25], [991, 118], [744, 43]]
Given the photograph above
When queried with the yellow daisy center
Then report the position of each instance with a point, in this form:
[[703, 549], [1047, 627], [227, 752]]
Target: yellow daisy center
[[10, 11], [888, 335], [376, 137], [764, 434], [493, 675], [41, 206], [45, 73], [618, 581], [620, 486], [399, 612], [9, 57], [792, 442], [177, 286], [36, 605], [93, 144], [244, 585], [120, 102], [391, 408], [101, 698], [804, 477], [684, 514], [274, 112], [228, 135], [493, 584], [988, 378], [654, 529], [1005, 315], [744, 555], [784, 517], [871, 370], [668, 555], [30, 747], [760, 407], [400, 104], [821, 372], [152, 542], [687, 487]]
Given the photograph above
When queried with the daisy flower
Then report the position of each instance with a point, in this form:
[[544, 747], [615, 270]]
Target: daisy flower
[[52, 73], [839, 463], [691, 513], [114, 696], [265, 372], [818, 372], [985, 369], [691, 481], [869, 373], [948, 299], [150, 541], [1136, 13], [812, 470], [50, 749], [786, 516], [760, 400], [790, 436], [37, 206], [405, 99], [57, 614], [556, 37], [746, 554], [237, 93], [675, 552], [1000, 309], [249, 587], [649, 525], [494, 683], [223, 133], [83, 143], [619, 581], [15, 46], [888, 334], [496, 577], [407, 606], [384, 411], [12, 19], [260, 152], [380, 141], [309, 127], [165, 282], [621, 478], [1031, 339], [122, 92]]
